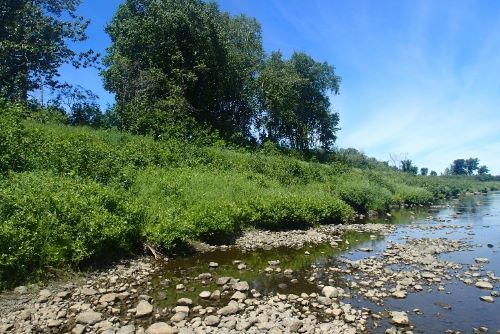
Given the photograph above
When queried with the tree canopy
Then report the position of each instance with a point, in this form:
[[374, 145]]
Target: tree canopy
[[34, 43], [188, 58]]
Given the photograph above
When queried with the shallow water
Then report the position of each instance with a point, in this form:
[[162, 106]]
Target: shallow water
[[477, 222]]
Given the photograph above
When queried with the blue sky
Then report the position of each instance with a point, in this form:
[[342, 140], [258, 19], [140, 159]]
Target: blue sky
[[418, 77]]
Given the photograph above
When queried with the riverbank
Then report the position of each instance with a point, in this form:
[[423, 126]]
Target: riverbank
[[73, 196], [374, 278]]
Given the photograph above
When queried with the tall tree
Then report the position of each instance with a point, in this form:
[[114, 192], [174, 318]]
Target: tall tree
[[483, 170], [471, 164], [458, 167], [184, 50], [408, 167], [34, 43], [296, 107], [424, 171]]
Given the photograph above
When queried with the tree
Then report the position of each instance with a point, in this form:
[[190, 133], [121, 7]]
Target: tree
[[34, 43], [458, 167], [184, 50], [433, 173], [424, 171], [483, 170], [471, 165], [295, 104], [79, 104], [408, 167]]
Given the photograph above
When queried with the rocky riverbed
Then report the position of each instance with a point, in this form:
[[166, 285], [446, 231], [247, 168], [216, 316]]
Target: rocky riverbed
[[361, 278]]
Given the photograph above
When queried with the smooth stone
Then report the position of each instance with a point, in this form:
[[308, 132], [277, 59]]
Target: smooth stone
[[484, 285], [399, 318], [482, 260], [184, 302], [54, 323], [213, 265], [212, 320], [108, 298], [161, 328], [143, 309], [223, 280], [231, 308], [242, 286], [184, 309], [487, 299], [205, 294], [89, 291], [330, 292], [78, 329], [179, 316], [129, 329], [89, 317]]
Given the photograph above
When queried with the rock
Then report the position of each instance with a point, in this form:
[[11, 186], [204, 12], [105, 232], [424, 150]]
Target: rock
[[108, 298], [487, 299], [229, 323], [179, 316], [179, 287], [482, 260], [213, 265], [78, 329], [399, 318], [129, 329], [161, 328], [143, 309], [324, 301], [428, 275], [205, 294], [184, 302], [330, 292], [241, 286], [231, 308], [89, 317], [349, 318], [212, 320], [292, 324], [222, 280], [54, 323], [400, 294], [205, 276], [21, 290], [63, 294], [88, 291], [25, 315], [275, 330], [484, 285], [242, 266], [184, 309], [238, 295], [215, 295]]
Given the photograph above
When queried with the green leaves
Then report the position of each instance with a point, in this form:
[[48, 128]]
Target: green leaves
[[34, 40], [295, 103], [213, 65], [48, 220]]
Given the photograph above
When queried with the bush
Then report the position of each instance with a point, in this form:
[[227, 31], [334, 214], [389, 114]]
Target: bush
[[184, 203], [48, 220]]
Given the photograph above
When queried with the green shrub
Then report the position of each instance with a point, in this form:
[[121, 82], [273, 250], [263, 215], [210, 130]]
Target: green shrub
[[184, 203], [48, 220]]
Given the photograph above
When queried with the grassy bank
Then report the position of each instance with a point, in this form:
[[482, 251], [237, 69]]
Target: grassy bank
[[74, 194]]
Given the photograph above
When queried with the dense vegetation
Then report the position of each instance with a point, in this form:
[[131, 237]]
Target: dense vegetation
[[209, 135], [71, 194]]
